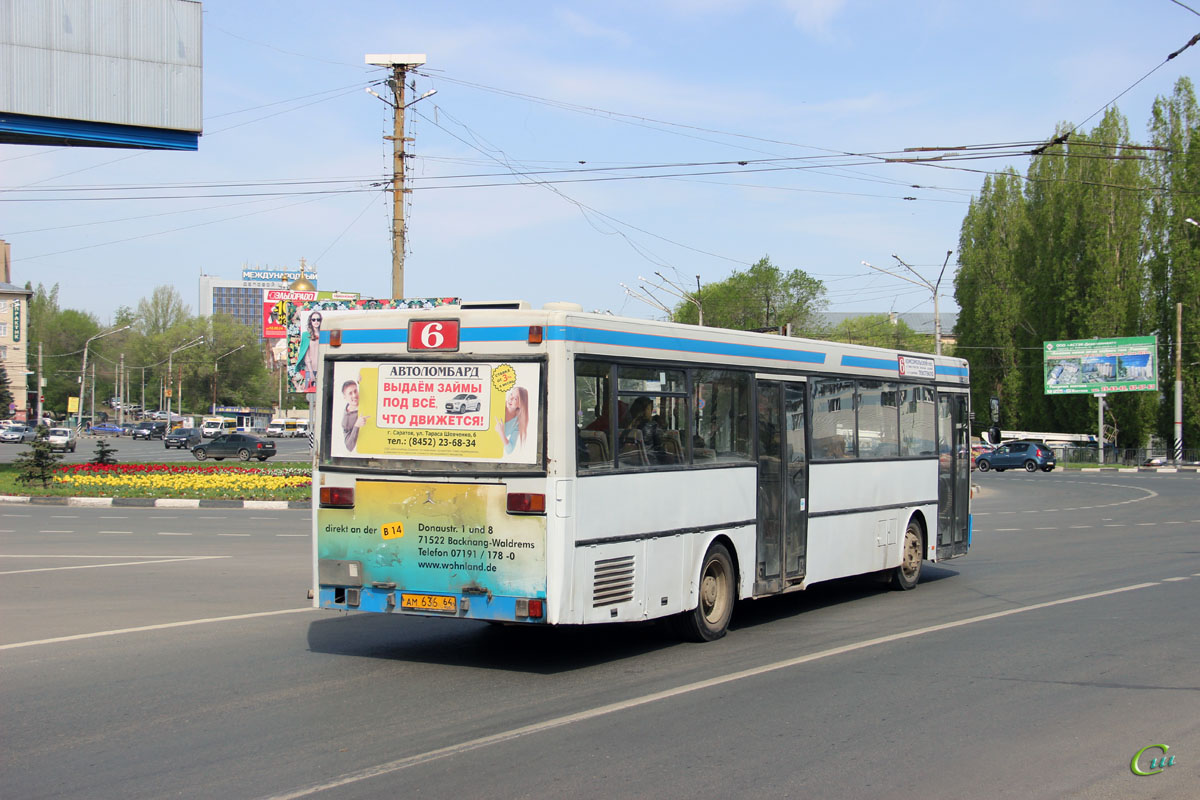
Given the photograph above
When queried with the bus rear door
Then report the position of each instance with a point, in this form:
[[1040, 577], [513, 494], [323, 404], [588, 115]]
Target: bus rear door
[[782, 485]]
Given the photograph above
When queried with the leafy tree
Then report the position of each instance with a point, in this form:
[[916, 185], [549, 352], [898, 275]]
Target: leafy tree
[[163, 311], [37, 464], [1173, 249], [763, 296], [880, 330]]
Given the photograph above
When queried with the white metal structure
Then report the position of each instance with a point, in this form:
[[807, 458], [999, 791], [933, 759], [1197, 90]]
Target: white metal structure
[[622, 469]]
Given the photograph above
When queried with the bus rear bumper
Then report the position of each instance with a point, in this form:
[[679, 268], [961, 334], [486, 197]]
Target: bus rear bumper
[[499, 608]]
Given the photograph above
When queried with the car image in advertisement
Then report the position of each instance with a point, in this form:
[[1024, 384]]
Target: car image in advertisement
[[450, 411]]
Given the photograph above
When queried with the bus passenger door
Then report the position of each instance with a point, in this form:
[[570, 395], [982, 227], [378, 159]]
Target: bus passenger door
[[782, 485], [954, 474]]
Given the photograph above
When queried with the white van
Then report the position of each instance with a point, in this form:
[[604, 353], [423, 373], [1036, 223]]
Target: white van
[[283, 428], [215, 426], [301, 426]]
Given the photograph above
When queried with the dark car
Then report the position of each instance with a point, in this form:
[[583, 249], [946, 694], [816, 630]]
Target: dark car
[[235, 445], [183, 437], [149, 430], [1031, 456]]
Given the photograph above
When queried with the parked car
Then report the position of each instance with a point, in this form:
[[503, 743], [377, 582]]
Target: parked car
[[62, 439], [183, 437], [18, 433], [235, 445], [107, 427], [150, 430], [461, 403], [1031, 456]]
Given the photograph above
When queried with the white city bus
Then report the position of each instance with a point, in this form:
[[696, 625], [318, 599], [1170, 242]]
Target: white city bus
[[622, 469]]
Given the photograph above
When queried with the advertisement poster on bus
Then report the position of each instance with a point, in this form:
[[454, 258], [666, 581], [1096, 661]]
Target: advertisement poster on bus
[[445, 411], [1095, 366], [437, 538], [304, 322]]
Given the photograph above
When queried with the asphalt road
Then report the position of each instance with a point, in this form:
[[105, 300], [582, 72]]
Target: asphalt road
[[146, 653], [130, 450]]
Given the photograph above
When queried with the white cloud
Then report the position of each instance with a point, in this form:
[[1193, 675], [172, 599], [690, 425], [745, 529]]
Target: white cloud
[[814, 16], [585, 27]]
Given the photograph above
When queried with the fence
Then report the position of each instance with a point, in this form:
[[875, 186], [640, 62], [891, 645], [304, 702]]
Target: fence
[[1124, 457]]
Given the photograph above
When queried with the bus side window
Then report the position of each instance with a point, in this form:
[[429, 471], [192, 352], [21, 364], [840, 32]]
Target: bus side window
[[593, 423]]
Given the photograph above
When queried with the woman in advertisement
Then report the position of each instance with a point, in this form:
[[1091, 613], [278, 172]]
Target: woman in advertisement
[[304, 376], [512, 428]]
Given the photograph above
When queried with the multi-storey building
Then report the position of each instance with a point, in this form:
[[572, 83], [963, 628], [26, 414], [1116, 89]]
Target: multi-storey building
[[14, 336]]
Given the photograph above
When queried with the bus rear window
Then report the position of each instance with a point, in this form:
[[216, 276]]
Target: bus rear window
[[461, 411]]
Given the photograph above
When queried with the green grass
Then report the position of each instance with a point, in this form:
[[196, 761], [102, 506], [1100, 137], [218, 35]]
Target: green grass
[[9, 485]]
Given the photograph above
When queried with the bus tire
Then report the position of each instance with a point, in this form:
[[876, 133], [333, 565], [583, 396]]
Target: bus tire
[[906, 576], [709, 620]]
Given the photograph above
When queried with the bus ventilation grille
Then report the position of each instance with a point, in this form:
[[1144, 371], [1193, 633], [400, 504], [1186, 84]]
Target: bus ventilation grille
[[613, 581]]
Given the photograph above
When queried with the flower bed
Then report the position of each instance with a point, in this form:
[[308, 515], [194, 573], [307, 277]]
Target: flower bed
[[176, 480]]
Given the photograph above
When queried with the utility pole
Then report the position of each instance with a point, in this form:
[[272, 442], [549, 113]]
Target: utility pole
[[1177, 451], [121, 390], [923, 282], [400, 64], [41, 383]]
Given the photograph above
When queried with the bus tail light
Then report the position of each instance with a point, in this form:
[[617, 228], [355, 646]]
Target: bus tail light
[[335, 337], [526, 503], [337, 497], [535, 334], [531, 608]]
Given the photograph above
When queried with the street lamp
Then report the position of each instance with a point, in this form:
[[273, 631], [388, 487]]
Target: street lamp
[[215, 360], [170, 364], [924, 283], [83, 369]]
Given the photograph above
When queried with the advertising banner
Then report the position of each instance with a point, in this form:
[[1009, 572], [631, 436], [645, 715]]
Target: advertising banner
[[275, 310], [445, 411], [1095, 366], [304, 329], [438, 538]]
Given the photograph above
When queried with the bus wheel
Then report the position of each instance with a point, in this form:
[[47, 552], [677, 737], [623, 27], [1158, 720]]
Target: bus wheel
[[905, 576], [709, 620]]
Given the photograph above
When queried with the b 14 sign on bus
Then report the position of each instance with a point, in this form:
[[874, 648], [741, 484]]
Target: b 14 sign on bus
[[457, 411]]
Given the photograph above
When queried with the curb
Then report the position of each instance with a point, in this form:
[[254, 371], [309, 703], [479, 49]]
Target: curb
[[150, 502]]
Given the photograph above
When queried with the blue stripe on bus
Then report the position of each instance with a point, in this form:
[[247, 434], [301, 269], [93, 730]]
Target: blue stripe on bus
[[870, 363], [370, 336], [676, 343], [957, 372]]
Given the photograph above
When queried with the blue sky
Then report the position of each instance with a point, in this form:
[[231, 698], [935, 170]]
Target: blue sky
[[621, 86]]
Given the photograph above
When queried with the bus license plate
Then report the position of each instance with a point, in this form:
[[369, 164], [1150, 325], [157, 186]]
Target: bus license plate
[[429, 602]]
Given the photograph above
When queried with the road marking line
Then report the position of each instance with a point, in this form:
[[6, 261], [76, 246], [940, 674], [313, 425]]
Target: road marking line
[[1182, 578], [210, 517], [115, 564], [624, 705], [64, 516], [1145, 524], [162, 626], [18, 515], [233, 534], [168, 533], [116, 531], [1174, 522], [1079, 527]]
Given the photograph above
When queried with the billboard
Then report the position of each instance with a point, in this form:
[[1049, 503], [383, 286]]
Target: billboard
[[304, 330], [1096, 366]]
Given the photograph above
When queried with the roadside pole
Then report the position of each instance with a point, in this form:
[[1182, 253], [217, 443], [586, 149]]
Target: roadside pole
[[1177, 450], [1100, 432]]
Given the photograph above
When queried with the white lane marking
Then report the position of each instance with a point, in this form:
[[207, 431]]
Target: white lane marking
[[114, 564], [233, 534], [18, 515], [624, 705], [1115, 525], [116, 531], [162, 626], [1181, 578], [1145, 524], [64, 516], [7, 530], [1174, 522], [210, 517], [1079, 527], [169, 533]]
